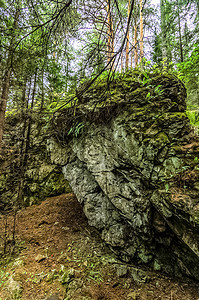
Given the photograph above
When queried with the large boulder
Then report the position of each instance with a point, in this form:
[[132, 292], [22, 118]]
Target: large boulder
[[131, 159]]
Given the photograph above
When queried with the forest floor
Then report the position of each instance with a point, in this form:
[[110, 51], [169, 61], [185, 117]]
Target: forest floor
[[61, 255]]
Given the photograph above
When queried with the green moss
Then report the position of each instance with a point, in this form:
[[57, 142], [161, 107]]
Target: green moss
[[174, 115], [177, 148], [52, 185], [162, 138], [2, 182], [157, 266], [106, 99], [112, 98], [164, 77], [141, 92], [171, 118]]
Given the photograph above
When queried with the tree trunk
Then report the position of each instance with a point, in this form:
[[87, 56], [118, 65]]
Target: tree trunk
[[127, 38], [3, 102], [132, 33], [121, 61], [108, 32], [42, 91], [24, 116], [163, 31], [112, 43], [180, 34], [26, 146], [6, 79], [186, 32], [141, 32], [135, 38], [110, 36]]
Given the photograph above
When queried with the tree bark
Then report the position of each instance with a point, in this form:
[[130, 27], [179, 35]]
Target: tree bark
[[141, 32], [42, 90], [25, 146], [6, 79], [108, 32], [163, 31], [127, 38], [135, 38], [110, 35], [132, 33], [186, 32], [121, 61], [3, 102], [180, 34]]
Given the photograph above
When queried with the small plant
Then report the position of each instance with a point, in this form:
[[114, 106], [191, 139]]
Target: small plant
[[158, 91], [76, 129], [144, 77], [149, 96], [145, 80], [166, 187]]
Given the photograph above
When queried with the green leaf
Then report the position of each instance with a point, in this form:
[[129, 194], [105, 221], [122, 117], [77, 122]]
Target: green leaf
[[148, 96], [166, 187]]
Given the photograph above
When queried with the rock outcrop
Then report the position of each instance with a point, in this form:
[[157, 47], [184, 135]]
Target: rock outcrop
[[131, 159], [39, 179]]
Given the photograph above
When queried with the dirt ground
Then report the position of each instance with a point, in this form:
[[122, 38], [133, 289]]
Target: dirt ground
[[61, 255]]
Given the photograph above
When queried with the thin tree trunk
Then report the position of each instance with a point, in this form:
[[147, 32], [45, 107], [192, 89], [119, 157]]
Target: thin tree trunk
[[42, 90], [186, 39], [3, 102], [6, 80], [67, 65], [132, 52], [127, 38], [108, 32], [110, 35], [180, 34], [112, 42], [122, 61], [24, 156], [24, 116], [135, 38], [163, 31], [141, 32]]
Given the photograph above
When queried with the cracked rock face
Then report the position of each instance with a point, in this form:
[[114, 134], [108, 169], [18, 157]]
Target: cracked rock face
[[136, 175]]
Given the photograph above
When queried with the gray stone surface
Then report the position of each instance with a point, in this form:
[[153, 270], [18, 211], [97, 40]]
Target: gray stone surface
[[124, 173], [41, 178]]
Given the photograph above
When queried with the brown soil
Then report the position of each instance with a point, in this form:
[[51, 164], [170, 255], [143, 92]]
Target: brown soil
[[54, 236]]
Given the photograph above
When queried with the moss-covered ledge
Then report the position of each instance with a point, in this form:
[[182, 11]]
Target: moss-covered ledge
[[101, 103]]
